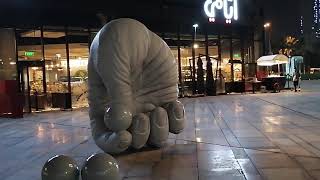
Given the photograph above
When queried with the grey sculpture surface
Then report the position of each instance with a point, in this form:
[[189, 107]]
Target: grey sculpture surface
[[132, 88], [60, 167], [100, 167]]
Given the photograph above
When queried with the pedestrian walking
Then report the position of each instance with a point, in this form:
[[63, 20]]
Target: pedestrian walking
[[296, 78]]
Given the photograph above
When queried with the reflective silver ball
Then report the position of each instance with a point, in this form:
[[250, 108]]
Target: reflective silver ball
[[60, 167], [100, 166]]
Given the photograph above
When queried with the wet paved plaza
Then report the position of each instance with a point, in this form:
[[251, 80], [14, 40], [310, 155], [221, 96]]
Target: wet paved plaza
[[261, 136]]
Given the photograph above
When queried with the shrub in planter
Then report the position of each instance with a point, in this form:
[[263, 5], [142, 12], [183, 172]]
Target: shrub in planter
[[315, 76]]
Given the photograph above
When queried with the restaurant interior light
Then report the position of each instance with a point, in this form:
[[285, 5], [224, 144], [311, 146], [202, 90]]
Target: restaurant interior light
[[267, 25], [196, 46]]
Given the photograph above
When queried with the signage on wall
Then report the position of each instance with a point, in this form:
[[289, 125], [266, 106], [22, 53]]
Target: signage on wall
[[29, 53], [236, 56], [229, 8]]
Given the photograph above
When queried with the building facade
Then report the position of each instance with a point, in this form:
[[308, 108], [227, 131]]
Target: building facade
[[316, 18], [49, 58], [310, 32]]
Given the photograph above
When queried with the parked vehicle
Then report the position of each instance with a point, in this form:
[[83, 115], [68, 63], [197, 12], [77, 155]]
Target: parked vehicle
[[73, 80]]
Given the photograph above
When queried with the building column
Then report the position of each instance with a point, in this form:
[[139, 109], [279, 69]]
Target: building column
[[8, 57], [68, 64], [242, 59], [194, 83], [231, 57], [44, 78]]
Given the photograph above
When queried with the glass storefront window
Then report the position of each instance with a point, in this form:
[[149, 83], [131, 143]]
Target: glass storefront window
[[36, 80], [225, 59], [29, 44], [31, 68], [51, 68], [186, 63], [172, 41], [44, 68], [79, 55], [200, 62], [213, 53], [56, 61], [55, 64], [237, 60]]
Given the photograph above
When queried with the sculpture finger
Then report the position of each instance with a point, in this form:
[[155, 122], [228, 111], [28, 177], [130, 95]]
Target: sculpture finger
[[159, 127], [115, 142], [140, 130], [176, 113], [118, 117]]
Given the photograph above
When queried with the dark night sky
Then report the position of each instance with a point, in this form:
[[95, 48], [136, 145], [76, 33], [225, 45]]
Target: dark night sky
[[284, 16]]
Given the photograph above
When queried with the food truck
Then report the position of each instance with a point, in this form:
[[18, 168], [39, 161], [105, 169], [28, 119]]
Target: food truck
[[271, 71]]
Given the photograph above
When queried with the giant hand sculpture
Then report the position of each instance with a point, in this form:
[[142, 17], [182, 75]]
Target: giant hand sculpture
[[132, 88]]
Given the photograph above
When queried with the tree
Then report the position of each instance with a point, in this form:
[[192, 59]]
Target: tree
[[291, 46]]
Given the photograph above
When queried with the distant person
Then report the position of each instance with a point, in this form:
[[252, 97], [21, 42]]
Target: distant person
[[296, 78]]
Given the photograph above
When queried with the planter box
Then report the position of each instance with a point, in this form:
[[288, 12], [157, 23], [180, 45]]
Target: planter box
[[11, 106], [9, 86], [61, 100], [11, 101]]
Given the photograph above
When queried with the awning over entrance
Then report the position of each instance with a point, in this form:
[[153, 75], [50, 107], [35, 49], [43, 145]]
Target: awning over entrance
[[272, 60]]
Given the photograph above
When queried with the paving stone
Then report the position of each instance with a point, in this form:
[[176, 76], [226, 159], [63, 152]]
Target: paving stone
[[253, 137]]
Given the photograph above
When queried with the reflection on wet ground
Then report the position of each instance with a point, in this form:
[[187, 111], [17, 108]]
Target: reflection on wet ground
[[265, 136]]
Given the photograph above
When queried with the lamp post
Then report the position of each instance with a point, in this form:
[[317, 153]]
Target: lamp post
[[267, 27], [195, 45]]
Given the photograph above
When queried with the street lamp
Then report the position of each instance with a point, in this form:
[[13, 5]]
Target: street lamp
[[195, 30], [267, 26], [195, 45]]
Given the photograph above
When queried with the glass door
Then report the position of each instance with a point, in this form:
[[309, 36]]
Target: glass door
[[25, 86], [33, 88]]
